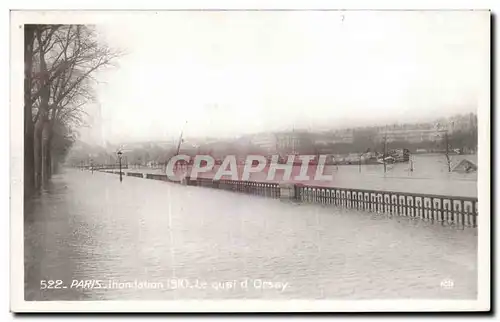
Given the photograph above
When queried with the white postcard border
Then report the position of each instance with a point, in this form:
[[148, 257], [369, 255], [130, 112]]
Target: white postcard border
[[17, 249]]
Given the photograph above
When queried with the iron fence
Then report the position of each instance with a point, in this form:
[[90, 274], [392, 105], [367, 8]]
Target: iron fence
[[462, 211], [271, 190], [135, 174]]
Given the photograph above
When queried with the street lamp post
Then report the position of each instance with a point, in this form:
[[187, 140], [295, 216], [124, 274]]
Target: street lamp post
[[120, 163]]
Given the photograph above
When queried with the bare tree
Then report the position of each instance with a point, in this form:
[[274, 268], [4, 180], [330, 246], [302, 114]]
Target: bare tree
[[447, 151], [440, 129], [65, 58], [29, 166]]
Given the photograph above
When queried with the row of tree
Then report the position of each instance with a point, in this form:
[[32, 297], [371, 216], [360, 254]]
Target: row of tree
[[60, 64]]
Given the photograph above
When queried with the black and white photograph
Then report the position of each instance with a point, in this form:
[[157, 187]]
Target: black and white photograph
[[257, 160]]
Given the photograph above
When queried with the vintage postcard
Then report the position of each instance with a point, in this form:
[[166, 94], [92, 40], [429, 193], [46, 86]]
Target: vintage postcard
[[250, 161]]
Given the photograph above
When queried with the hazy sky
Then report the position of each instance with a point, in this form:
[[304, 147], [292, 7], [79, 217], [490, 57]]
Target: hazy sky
[[228, 73]]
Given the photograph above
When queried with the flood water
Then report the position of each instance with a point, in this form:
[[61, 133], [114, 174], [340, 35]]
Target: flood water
[[141, 238]]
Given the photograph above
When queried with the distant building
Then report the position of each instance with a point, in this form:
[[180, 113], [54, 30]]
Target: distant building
[[287, 143], [93, 134], [295, 142], [344, 136], [339, 136], [284, 143], [166, 144], [412, 136], [462, 123], [266, 141]]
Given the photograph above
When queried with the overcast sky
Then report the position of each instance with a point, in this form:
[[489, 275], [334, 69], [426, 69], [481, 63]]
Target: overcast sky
[[229, 73]]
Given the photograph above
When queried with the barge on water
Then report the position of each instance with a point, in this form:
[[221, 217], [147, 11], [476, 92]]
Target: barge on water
[[393, 156]]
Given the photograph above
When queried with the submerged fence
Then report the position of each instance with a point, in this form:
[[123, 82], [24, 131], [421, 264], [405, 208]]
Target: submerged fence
[[462, 211], [135, 174], [105, 166], [450, 210], [271, 190]]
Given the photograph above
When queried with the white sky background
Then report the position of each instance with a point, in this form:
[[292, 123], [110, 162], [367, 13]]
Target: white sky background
[[230, 73]]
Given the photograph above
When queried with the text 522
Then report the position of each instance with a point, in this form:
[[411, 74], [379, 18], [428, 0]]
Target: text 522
[[51, 284]]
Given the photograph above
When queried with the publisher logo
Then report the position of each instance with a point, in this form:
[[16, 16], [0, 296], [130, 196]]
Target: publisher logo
[[447, 284]]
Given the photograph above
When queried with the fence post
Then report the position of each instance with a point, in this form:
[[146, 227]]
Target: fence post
[[289, 191]]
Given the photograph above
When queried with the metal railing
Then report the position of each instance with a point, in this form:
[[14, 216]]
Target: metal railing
[[462, 211], [105, 166], [161, 177], [135, 174], [271, 190]]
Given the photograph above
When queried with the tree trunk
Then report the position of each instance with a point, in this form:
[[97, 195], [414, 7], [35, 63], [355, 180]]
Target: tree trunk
[[46, 152], [29, 166], [37, 148], [37, 153], [54, 158], [55, 164], [43, 120], [29, 161], [50, 157]]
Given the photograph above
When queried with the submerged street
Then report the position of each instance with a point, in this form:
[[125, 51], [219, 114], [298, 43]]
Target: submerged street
[[92, 227]]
